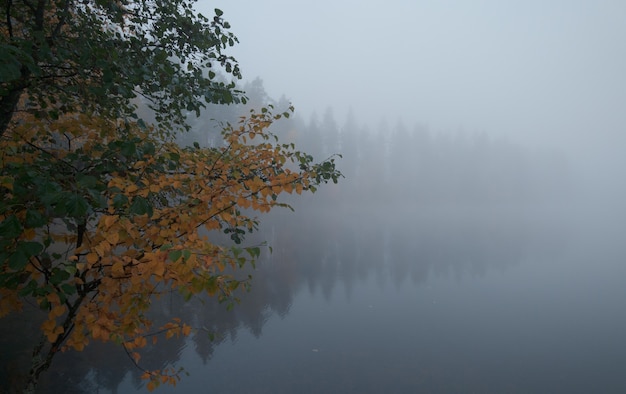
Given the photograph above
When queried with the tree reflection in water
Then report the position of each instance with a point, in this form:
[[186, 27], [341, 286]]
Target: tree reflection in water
[[315, 251]]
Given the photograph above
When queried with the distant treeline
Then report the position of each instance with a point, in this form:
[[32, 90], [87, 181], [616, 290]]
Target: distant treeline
[[407, 165]]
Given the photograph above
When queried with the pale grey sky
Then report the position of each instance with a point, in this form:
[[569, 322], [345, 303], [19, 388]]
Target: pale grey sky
[[547, 71]]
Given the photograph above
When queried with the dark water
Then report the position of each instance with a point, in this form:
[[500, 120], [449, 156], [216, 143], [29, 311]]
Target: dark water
[[444, 300]]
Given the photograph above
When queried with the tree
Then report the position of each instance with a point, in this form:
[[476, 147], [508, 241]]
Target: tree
[[97, 56], [94, 227], [101, 212]]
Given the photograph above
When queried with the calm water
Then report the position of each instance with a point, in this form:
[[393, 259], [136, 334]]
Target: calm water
[[434, 300]]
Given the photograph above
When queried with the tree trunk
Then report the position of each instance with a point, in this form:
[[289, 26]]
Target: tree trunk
[[44, 351], [8, 104], [41, 361]]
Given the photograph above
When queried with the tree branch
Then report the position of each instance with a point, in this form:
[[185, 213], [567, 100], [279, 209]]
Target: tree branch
[[8, 14]]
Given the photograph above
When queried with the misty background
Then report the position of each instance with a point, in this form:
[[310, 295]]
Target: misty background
[[476, 242], [545, 75]]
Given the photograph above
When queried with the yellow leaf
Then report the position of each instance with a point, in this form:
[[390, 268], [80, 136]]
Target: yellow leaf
[[7, 182], [159, 269], [51, 330], [95, 331], [53, 298], [52, 336], [140, 342], [113, 238], [192, 261], [102, 249], [109, 220], [136, 357], [92, 258], [48, 325], [57, 311], [118, 268], [29, 233]]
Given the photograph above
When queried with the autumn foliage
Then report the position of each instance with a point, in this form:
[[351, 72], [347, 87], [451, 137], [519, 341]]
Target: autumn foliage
[[101, 212], [100, 217]]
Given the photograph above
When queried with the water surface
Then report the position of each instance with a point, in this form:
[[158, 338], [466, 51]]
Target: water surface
[[425, 300]]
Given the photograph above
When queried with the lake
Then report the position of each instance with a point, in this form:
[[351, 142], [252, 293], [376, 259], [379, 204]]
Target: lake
[[421, 299]]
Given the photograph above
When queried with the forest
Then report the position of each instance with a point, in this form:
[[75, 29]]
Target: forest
[[138, 171], [393, 164]]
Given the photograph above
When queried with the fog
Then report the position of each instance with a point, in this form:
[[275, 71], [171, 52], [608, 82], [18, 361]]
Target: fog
[[476, 241], [543, 74]]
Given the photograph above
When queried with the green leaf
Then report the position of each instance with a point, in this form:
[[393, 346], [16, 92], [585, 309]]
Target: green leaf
[[219, 12], [29, 289], [76, 206], [86, 181], [142, 125], [254, 252], [174, 255], [44, 304], [10, 227], [34, 219], [70, 269], [18, 261], [148, 149], [128, 148], [58, 276], [9, 64], [30, 248], [120, 201], [68, 289], [107, 75], [140, 206], [186, 254], [49, 193]]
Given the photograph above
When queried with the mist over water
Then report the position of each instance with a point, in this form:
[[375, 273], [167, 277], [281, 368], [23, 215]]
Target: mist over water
[[546, 75], [437, 299], [476, 243], [463, 282]]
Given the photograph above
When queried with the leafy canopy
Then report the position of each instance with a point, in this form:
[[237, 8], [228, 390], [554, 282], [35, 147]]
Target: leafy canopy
[[98, 56], [101, 211], [94, 225]]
